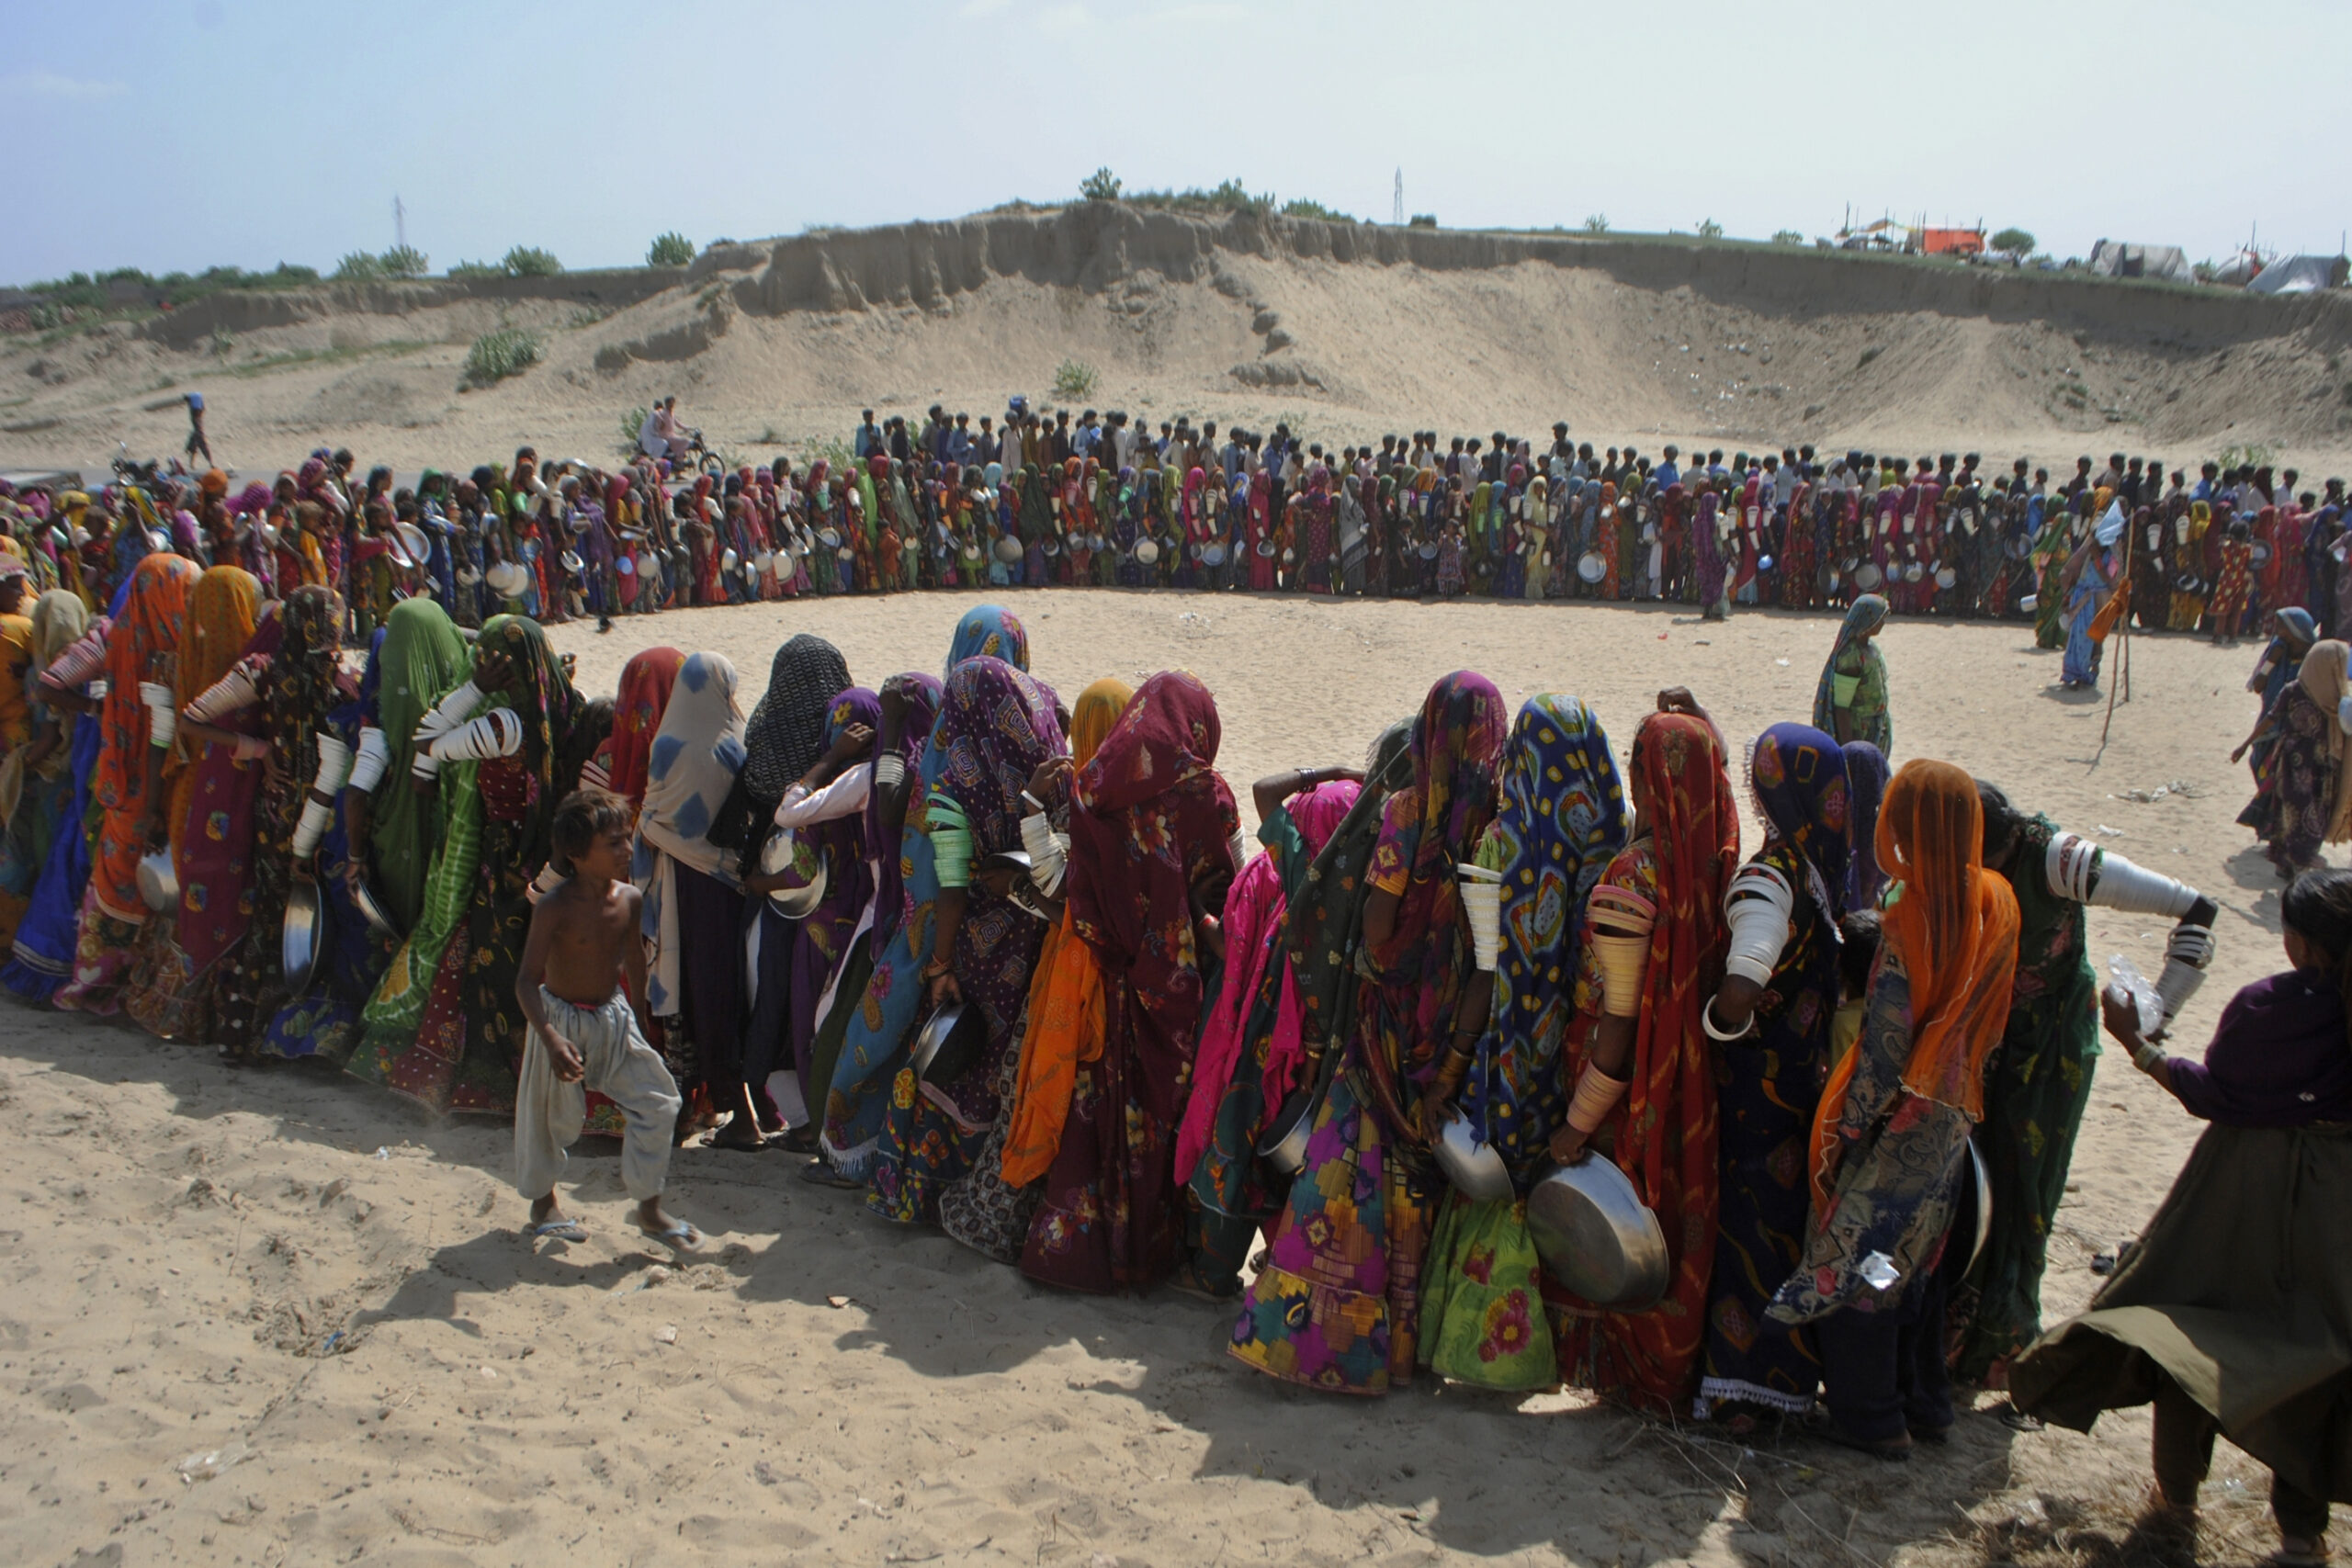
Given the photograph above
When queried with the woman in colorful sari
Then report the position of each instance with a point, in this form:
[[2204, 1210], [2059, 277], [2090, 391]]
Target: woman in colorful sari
[[693, 892], [1252, 1051], [1866, 776], [1769, 1020], [1562, 824], [909, 706], [989, 1211], [1710, 569], [301, 686], [2227, 1312], [2040, 1084], [872, 1049], [1850, 701], [1152, 833], [32, 776], [791, 961], [416, 657], [2292, 633], [1890, 1138], [2089, 580], [1637, 1082], [996, 727], [2310, 799], [1336, 1305], [41, 957], [128, 786], [462, 1039]]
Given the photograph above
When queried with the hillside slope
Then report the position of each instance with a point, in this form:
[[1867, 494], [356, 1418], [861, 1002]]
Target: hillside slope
[[1348, 331]]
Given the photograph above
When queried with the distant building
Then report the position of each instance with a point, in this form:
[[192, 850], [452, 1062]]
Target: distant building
[[1963, 243]]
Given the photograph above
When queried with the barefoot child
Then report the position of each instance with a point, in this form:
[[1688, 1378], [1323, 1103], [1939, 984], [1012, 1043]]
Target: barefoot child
[[584, 1033]]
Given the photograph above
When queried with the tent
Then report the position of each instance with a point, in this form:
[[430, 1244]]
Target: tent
[[2116, 259], [2299, 274]]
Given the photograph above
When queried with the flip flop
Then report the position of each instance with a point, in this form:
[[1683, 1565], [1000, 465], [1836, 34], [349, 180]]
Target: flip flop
[[818, 1173], [679, 1237], [558, 1230]]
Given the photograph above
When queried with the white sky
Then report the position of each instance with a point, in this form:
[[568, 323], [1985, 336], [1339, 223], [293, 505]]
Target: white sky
[[182, 133]]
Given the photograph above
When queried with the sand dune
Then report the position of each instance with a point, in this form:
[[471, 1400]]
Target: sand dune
[[299, 1271]]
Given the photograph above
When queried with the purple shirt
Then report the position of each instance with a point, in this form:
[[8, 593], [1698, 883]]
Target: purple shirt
[[2279, 1057]]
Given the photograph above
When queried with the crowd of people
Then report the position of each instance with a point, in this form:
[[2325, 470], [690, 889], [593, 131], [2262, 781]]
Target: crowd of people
[[1101, 501], [1002, 964]]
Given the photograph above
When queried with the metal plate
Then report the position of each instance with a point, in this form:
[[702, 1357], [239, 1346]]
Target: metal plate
[[951, 1044], [1477, 1171], [784, 854], [159, 884], [1595, 1236], [303, 936]]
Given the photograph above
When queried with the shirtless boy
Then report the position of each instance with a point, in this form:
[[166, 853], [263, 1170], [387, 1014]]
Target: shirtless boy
[[582, 961]]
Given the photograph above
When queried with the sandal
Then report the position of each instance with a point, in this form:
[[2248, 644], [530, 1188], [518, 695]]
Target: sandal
[[822, 1173], [2300, 1551]]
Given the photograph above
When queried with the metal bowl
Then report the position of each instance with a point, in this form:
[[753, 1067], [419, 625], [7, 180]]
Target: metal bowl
[[1213, 556], [573, 563], [1477, 1171], [784, 854], [950, 1043], [1284, 1143], [1022, 892], [159, 884], [1266, 548], [1867, 576], [508, 580], [371, 909], [1147, 552], [828, 539], [303, 937], [1008, 550], [1982, 1230], [1596, 1237], [1590, 566], [419, 549]]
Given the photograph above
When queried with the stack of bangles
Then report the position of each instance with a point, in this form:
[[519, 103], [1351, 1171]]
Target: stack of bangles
[[1597, 1095]]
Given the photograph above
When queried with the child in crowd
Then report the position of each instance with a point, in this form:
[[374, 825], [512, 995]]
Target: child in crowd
[[582, 980]]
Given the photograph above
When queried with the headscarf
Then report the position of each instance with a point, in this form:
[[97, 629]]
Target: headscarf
[[644, 693], [2327, 682], [420, 660], [787, 733], [1066, 1019], [690, 770], [1425, 833], [151, 624], [222, 609], [1562, 820], [1866, 773], [923, 694], [1682, 793], [541, 695], [1797, 774], [2297, 623], [1955, 927], [693, 761], [992, 631]]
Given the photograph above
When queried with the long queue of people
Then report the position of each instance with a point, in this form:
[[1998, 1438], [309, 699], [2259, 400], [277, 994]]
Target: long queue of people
[[1015, 960], [1107, 503]]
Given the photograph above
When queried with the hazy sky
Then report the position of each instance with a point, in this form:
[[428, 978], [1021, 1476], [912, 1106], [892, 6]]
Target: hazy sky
[[182, 133]]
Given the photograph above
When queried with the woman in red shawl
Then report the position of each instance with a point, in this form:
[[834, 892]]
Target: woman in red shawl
[[1262, 531], [1798, 567], [1648, 1043], [643, 696], [1152, 827]]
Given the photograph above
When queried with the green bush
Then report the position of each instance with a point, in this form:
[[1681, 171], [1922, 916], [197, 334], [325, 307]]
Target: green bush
[[495, 356], [672, 249], [1099, 186], [1709, 230], [359, 268], [1597, 224], [1787, 237], [477, 269], [1423, 220], [529, 261], [631, 422], [2013, 242], [1300, 206], [403, 261], [1074, 380]]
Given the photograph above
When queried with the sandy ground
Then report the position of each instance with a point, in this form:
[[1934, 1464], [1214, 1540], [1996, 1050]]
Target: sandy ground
[[299, 1274]]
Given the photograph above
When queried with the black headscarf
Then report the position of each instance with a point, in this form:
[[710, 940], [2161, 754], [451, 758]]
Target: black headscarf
[[786, 732]]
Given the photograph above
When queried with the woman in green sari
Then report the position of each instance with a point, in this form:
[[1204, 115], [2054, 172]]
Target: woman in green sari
[[423, 661], [1850, 702]]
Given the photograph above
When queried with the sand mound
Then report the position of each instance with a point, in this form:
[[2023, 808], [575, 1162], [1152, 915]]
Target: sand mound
[[1347, 330]]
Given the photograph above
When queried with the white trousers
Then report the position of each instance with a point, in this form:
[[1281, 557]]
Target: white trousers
[[550, 1113]]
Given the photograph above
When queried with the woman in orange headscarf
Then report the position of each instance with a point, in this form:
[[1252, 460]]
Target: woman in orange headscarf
[[1891, 1139], [129, 782]]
